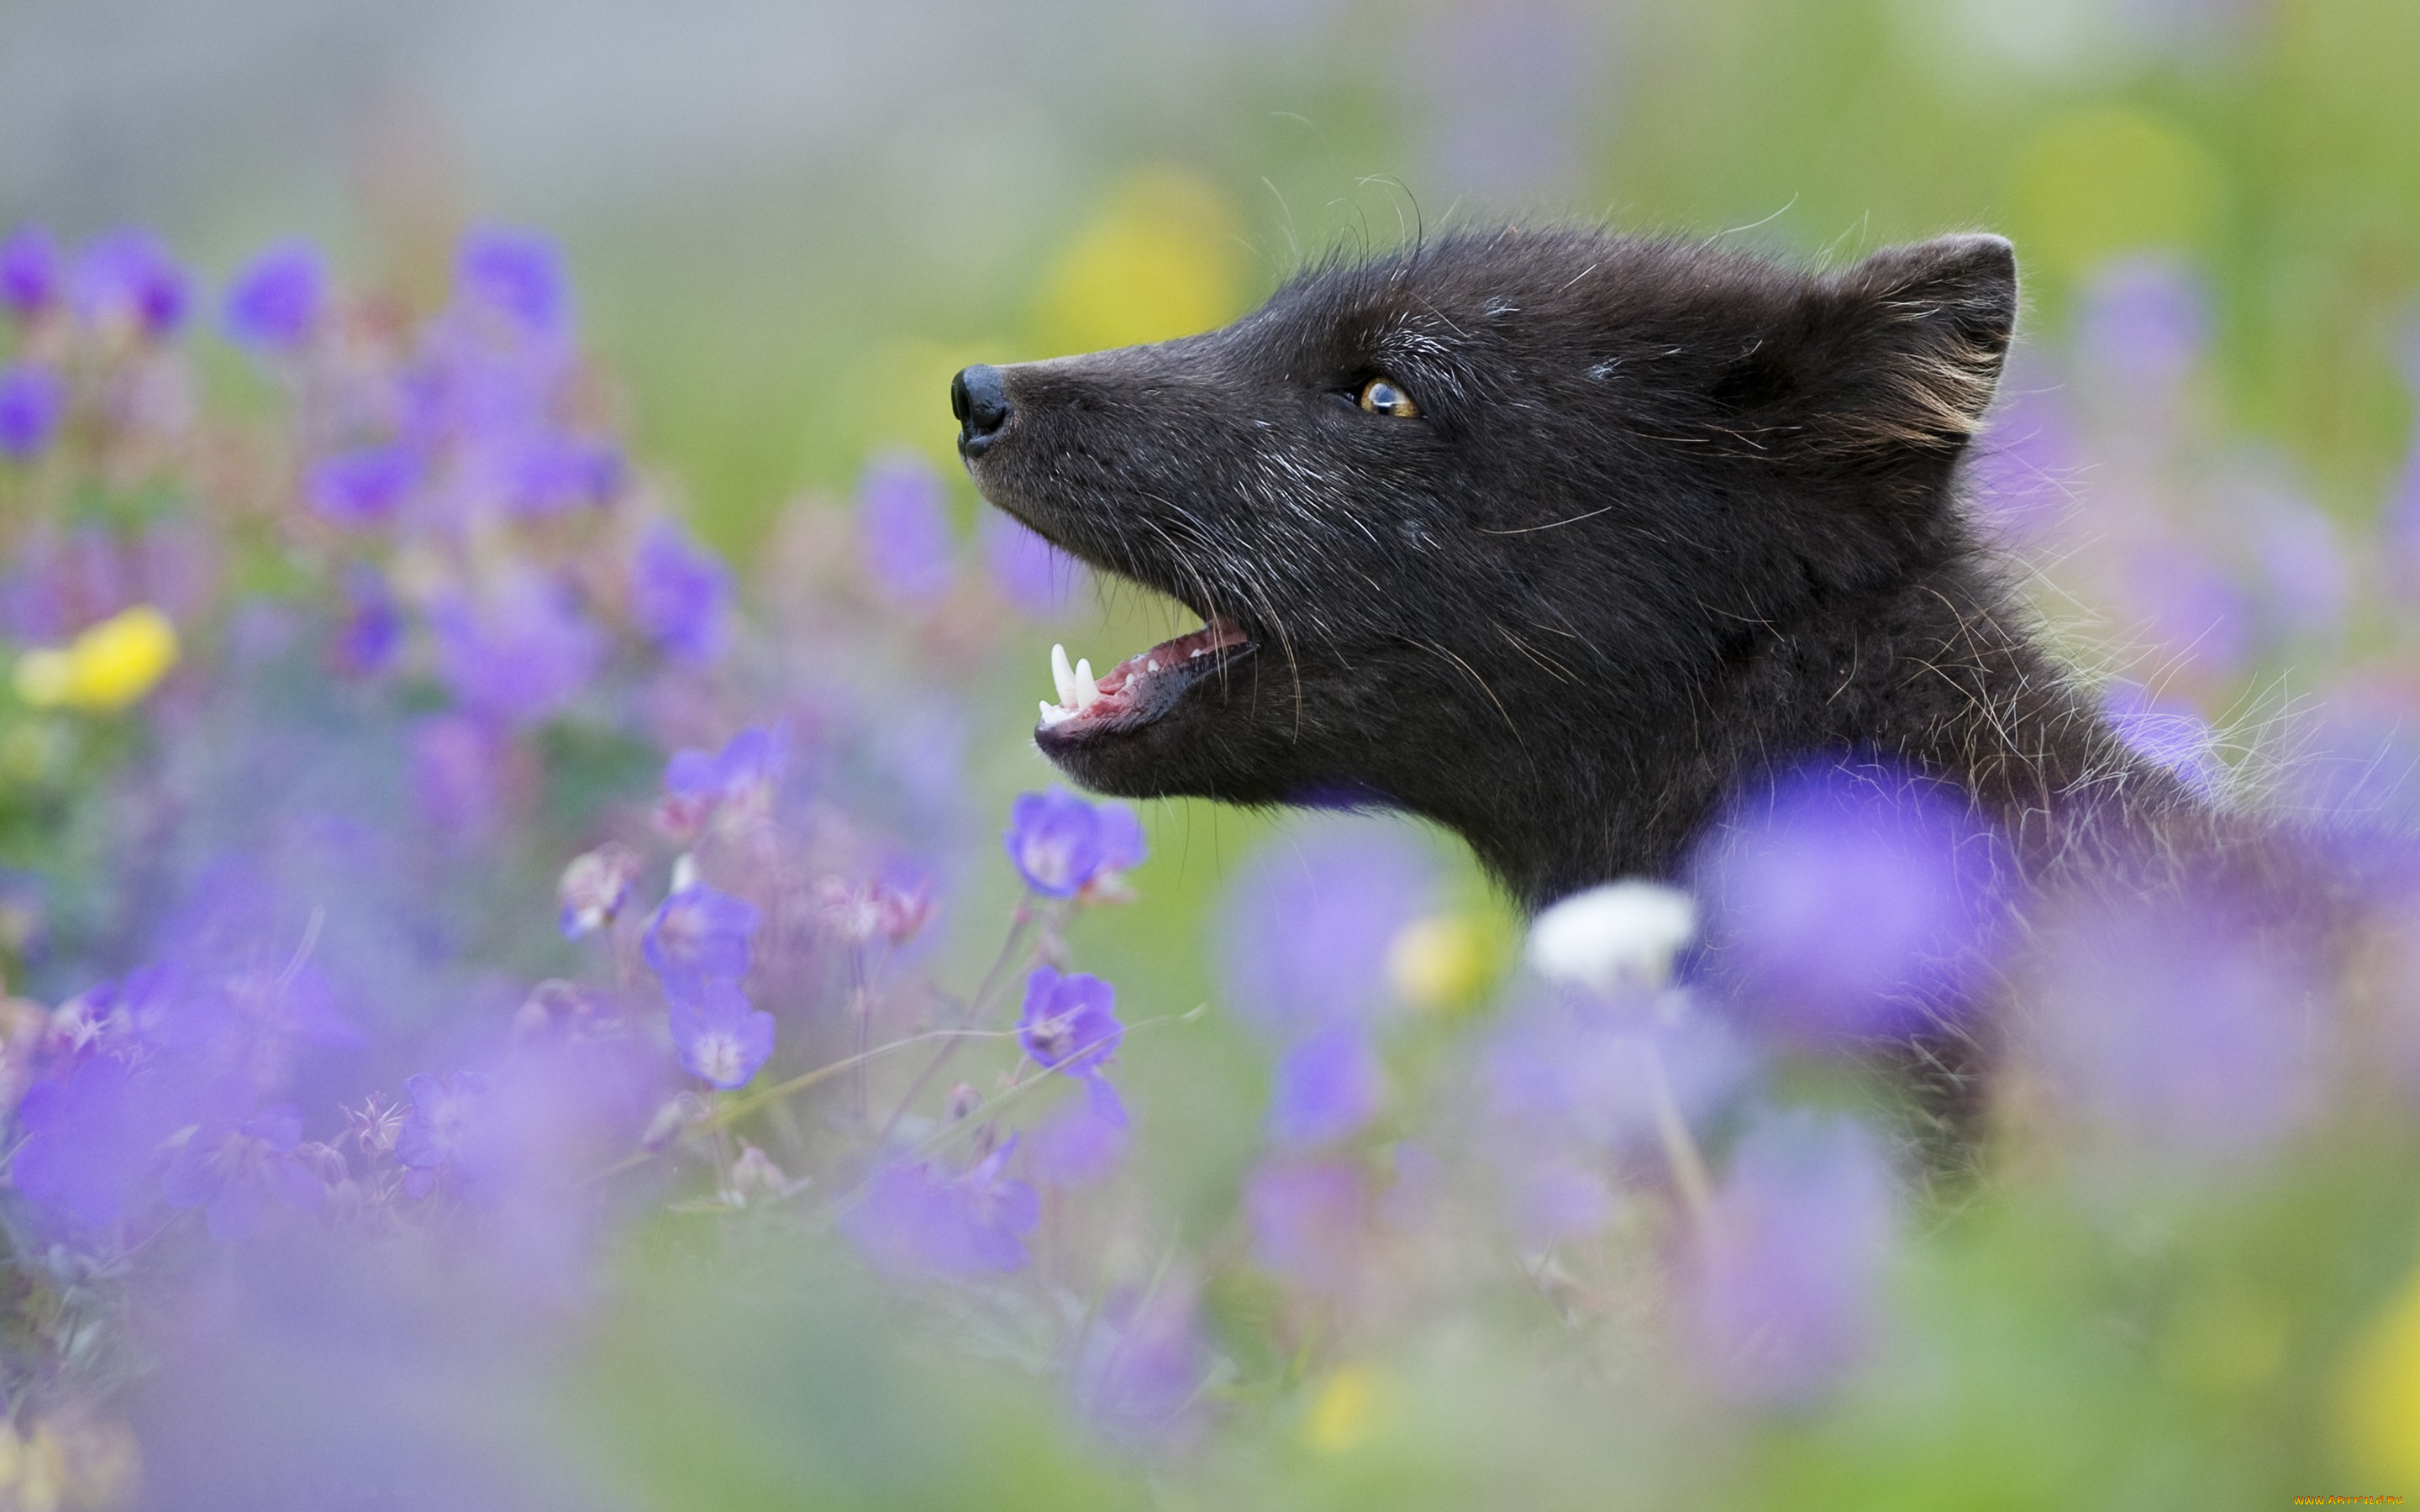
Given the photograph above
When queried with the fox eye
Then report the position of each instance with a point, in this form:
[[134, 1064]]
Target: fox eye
[[1381, 396]]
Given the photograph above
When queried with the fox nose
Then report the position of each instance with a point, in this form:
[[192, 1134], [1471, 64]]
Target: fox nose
[[979, 397]]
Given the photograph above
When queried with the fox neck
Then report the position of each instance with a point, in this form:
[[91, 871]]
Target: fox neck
[[1935, 672]]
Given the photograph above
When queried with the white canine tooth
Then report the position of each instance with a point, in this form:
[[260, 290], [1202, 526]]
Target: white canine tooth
[[1088, 691], [1063, 676]]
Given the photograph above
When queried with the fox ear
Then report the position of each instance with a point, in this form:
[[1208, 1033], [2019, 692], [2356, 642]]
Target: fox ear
[[1911, 341]]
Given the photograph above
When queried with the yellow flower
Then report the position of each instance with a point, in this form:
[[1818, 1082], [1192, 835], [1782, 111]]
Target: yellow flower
[[2379, 1405], [1344, 1412], [1440, 961], [1161, 260], [65, 1464], [106, 668]]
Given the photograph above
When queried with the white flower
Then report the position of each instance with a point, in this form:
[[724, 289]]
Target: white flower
[[1622, 933]]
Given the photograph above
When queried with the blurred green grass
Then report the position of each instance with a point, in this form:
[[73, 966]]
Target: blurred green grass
[[769, 345]]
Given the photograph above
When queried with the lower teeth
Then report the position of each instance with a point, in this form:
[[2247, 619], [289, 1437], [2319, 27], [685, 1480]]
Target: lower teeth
[[1079, 690]]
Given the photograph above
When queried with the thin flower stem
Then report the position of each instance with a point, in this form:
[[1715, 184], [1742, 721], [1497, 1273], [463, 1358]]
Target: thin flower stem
[[950, 1131], [1680, 1149], [620, 940], [723, 1158], [733, 1109], [1017, 925], [861, 1008], [302, 950], [1011, 949], [1141, 1306]]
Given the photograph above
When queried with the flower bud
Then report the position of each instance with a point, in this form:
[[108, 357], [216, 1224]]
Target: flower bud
[[594, 886], [1623, 933]]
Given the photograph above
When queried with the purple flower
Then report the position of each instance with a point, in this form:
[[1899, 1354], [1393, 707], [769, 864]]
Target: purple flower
[[91, 1141], [1788, 1285], [440, 1135], [719, 1037], [117, 1019], [363, 486], [521, 653], [233, 1033], [750, 760], [489, 394], [30, 272], [1061, 845], [1328, 1087], [1850, 900], [680, 594], [594, 886], [276, 303], [901, 910], [1562, 1071], [1140, 1367], [1036, 578], [33, 400], [2179, 1029], [127, 277], [1119, 830], [235, 1175], [697, 936], [1067, 1024], [1307, 1221], [734, 785], [873, 909], [1308, 924], [550, 474], [372, 632], [2143, 326], [1084, 1141], [2027, 460], [517, 276], [911, 1221], [904, 528]]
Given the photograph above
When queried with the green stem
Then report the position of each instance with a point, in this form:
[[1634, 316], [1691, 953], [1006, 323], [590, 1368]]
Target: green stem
[[1011, 949], [1680, 1149]]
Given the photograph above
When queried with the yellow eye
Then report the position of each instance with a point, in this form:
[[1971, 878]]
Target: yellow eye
[[1380, 397]]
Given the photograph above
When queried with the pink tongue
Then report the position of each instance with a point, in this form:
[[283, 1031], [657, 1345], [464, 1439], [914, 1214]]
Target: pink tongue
[[1168, 654]]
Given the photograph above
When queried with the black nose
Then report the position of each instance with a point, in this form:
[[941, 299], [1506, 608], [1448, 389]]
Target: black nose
[[979, 397]]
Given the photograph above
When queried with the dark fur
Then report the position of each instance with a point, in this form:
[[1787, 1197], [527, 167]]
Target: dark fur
[[1673, 517]]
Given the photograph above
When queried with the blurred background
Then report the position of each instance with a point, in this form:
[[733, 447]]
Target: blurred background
[[788, 224], [798, 213]]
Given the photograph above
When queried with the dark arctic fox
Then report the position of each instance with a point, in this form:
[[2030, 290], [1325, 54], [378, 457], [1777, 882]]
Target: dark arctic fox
[[1563, 541]]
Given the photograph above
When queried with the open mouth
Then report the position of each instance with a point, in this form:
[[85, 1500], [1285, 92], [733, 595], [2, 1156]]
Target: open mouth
[[1141, 689]]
